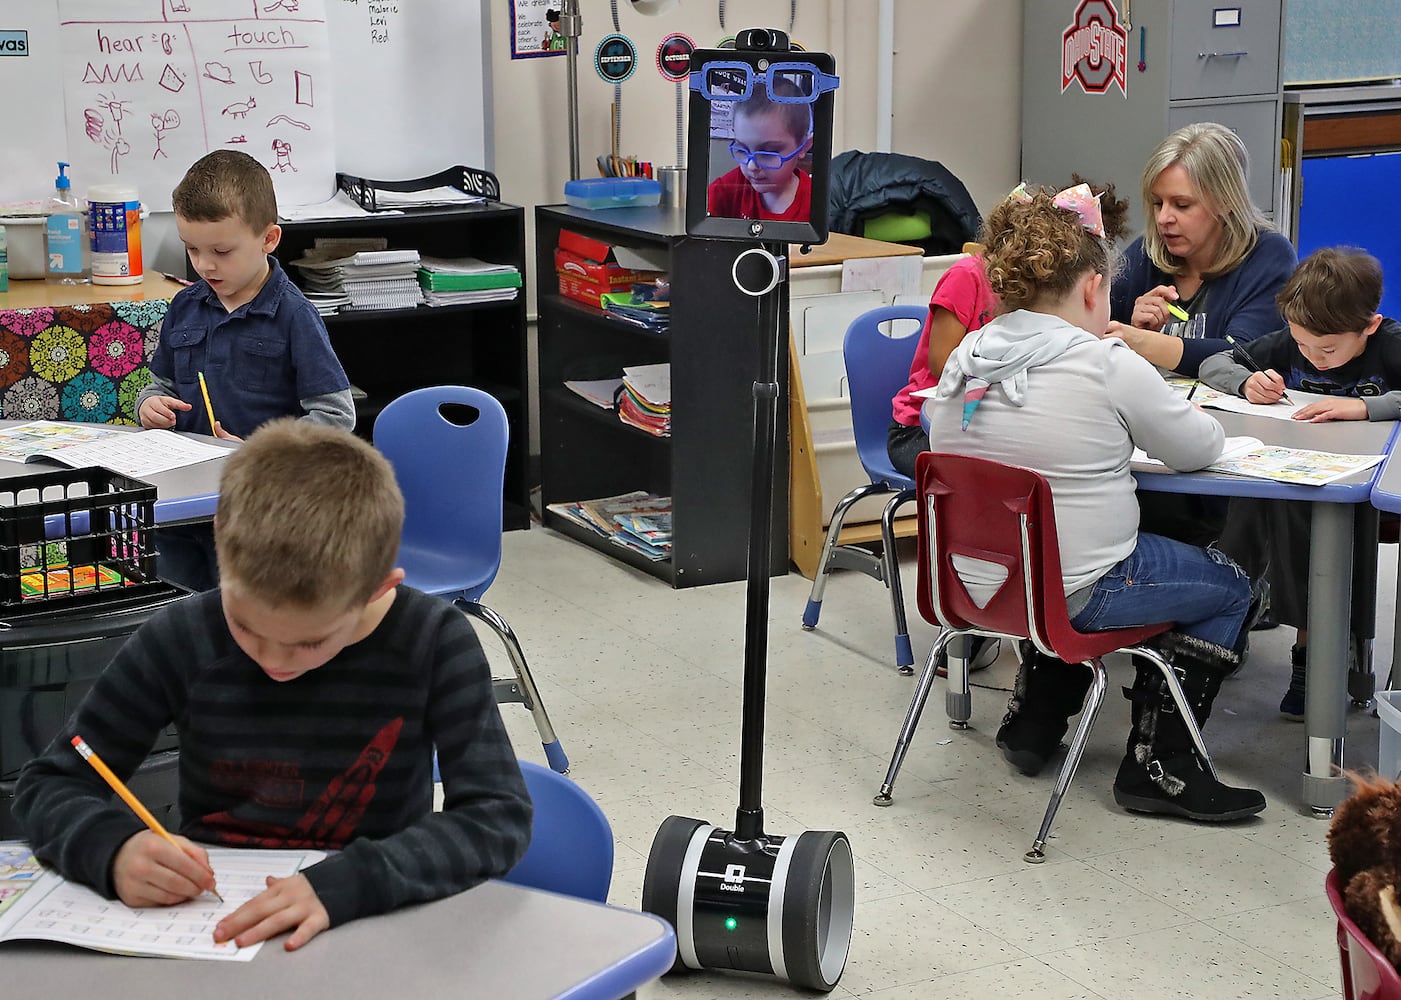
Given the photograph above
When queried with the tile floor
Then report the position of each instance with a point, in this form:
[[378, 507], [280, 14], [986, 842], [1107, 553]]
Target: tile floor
[[643, 685]]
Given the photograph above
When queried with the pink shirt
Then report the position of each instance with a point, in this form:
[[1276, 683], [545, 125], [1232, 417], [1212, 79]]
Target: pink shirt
[[964, 291]]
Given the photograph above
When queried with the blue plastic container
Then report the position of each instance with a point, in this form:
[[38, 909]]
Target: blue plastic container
[[613, 192]]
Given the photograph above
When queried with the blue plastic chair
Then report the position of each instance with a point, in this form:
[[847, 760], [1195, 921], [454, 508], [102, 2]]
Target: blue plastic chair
[[448, 448], [571, 848], [877, 367]]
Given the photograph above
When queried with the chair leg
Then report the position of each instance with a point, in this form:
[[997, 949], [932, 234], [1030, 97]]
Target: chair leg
[[1099, 682], [829, 547], [958, 695], [529, 693], [1179, 699], [890, 563], [907, 731]]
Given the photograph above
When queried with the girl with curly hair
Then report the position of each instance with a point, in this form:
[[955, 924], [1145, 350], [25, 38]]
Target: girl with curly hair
[[1042, 387]]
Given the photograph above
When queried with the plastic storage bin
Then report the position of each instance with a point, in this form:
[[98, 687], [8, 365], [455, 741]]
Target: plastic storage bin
[[77, 576], [25, 236], [1389, 734], [613, 192]]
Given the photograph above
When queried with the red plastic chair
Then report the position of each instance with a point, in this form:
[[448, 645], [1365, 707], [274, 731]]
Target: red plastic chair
[[1367, 975], [1003, 515]]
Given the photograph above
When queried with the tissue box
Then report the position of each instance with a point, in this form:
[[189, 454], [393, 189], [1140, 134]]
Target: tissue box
[[588, 268]]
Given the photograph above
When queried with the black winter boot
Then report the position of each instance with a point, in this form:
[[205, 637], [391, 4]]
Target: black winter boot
[[1162, 772], [1047, 693]]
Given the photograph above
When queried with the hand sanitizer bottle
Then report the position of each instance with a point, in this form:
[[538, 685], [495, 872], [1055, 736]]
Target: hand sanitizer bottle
[[66, 252]]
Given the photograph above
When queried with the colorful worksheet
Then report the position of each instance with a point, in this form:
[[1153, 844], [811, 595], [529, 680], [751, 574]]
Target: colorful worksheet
[[39, 904]]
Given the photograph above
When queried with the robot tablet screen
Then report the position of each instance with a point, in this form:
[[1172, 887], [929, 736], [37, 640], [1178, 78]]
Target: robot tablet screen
[[760, 140]]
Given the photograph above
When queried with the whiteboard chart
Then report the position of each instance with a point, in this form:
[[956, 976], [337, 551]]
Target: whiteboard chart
[[389, 89], [168, 84]]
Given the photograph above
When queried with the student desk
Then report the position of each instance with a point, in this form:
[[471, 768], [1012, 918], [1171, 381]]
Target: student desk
[[497, 940], [185, 494], [1330, 569]]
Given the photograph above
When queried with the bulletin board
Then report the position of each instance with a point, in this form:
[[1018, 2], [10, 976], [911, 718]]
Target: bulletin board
[[133, 91], [1341, 41]]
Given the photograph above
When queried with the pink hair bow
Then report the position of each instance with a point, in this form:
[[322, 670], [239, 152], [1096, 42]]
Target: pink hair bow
[[1078, 199]]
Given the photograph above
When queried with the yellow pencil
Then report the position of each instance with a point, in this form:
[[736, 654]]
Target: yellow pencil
[[142, 813], [207, 404]]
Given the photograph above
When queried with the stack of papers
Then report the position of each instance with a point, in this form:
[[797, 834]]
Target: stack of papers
[[639, 521], [646, 399], [365, 278], [427, 198], [452, 281]]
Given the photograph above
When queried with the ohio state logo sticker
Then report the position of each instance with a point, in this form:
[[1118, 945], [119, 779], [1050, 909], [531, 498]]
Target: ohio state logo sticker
[[1095, 49]]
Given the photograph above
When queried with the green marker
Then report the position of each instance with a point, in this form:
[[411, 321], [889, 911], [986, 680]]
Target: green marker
[[1177, 311]]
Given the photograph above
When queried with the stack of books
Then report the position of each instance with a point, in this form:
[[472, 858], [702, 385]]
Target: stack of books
[[466, 279], [363, 278], [645, 402], [639, 521]]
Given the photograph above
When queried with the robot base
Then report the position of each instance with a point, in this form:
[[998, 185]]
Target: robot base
[[779, 906]]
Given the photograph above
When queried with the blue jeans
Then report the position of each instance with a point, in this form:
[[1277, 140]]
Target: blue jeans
[[1201, 590]]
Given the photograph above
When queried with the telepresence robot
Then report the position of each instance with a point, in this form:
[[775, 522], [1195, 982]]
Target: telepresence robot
[[743, 899]]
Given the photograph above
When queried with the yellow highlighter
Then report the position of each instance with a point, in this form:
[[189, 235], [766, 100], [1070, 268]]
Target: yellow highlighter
[[208, 406], [1177, 311], [118, 786]]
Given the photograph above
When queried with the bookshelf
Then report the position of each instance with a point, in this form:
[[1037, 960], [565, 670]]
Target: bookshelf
[[704, 466], [483, 344]]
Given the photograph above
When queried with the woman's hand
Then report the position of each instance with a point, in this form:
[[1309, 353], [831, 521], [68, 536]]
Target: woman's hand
[[1150, 311]]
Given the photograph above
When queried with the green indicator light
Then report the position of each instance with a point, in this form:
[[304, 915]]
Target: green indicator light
[[731, 923]]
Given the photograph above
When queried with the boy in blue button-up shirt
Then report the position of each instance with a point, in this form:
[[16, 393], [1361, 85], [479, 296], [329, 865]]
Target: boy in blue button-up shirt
[[260, 345]]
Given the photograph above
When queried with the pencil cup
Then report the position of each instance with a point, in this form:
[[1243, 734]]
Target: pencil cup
[[673, 180]]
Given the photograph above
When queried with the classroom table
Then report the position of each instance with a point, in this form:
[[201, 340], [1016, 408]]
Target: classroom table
[[496, 940], [1332, 541], [1330, 569], [185, 494]]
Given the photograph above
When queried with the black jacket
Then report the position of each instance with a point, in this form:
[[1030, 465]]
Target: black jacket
[[865, 185]]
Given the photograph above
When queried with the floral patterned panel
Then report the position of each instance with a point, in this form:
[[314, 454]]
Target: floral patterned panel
[[83, 362]]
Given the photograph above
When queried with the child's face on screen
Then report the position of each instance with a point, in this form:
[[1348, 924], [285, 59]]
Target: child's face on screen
[[767, 132]]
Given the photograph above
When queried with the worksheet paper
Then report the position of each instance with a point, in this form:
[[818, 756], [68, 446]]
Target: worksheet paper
[[131, 453], [39, 904]]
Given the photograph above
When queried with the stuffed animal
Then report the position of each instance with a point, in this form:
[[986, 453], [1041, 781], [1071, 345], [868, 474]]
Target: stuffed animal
[[1364, 842]]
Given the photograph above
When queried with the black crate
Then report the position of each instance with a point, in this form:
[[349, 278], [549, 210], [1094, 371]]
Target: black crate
[[74, 538]]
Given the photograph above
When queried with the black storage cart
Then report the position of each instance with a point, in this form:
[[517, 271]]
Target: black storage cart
[[77, 576]]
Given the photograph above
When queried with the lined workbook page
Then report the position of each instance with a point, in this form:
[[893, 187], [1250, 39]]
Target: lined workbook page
[[44, 906]]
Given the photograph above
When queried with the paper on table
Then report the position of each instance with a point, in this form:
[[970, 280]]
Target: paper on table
[[1215, 400], [135, 453], [1140, 462], [50, 908], [1295, 465]]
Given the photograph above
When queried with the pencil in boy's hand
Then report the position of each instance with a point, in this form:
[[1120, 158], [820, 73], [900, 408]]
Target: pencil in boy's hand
[[124, 793], [1238, 352], [1177, 311], [208, 406]]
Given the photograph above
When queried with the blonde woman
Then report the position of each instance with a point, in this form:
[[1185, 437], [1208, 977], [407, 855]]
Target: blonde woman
[[1207, 253]]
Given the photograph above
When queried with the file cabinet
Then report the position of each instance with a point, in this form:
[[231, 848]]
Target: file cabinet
[[1183, 61]]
